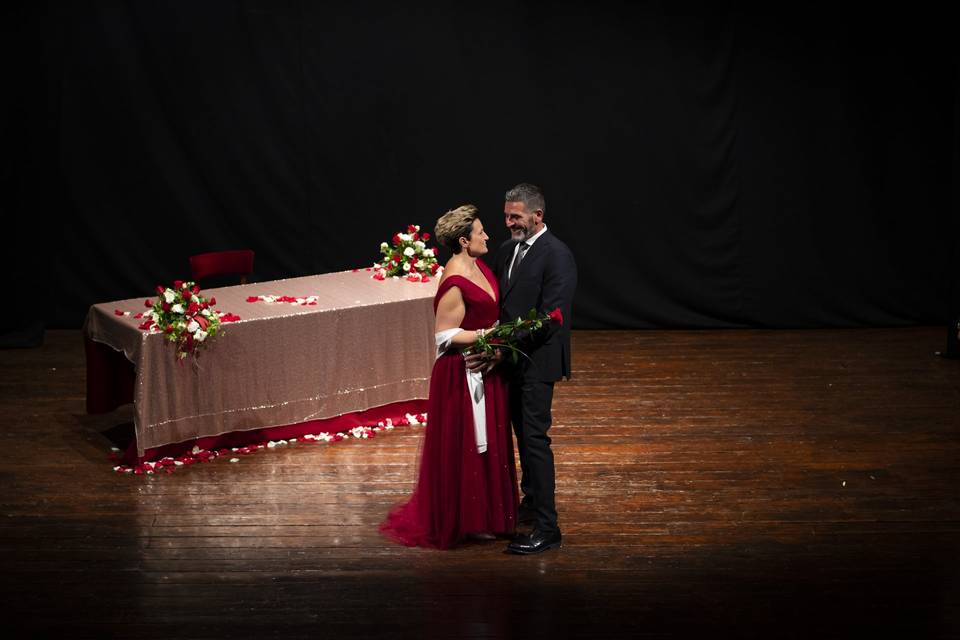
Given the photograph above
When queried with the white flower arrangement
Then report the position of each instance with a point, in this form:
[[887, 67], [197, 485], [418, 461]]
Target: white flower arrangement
[[408, 257]]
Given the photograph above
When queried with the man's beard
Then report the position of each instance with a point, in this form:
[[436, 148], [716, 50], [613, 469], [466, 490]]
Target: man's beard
[[519, 234]]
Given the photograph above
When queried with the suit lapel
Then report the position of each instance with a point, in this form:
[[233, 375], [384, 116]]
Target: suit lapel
[[533, 254], [505, 265]]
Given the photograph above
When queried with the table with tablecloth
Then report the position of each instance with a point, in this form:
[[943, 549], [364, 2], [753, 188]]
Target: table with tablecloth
[[364, 344]]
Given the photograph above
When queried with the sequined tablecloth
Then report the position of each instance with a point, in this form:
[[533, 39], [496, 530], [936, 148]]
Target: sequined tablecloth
[[366, 343]]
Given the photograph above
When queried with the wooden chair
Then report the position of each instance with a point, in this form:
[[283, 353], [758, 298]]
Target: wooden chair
[[222, 263]]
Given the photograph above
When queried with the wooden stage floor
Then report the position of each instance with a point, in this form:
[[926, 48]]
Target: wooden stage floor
[[723, 483]]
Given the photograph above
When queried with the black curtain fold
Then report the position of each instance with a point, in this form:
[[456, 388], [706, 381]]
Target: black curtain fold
[[711, 167]]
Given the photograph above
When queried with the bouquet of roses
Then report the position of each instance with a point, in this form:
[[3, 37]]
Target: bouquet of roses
[[185, 317], [408, 257], [507, 335]]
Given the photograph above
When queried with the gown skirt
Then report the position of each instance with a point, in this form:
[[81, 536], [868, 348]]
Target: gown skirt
[[459, 491]]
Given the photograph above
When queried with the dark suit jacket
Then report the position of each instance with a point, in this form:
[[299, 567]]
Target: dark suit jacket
[[545, 280]]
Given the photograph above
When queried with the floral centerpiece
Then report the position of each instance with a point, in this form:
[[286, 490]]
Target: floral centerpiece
[[187, 319], [408, 257], [507, 335]]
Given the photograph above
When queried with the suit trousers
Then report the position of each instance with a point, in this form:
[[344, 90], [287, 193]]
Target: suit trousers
[[530, 402]]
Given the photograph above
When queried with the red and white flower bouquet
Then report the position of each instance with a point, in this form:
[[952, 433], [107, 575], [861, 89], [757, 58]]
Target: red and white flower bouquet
[[186, 318], [507, 335], [408, 257]]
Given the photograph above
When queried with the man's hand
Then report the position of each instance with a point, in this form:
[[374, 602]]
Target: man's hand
[[477, 362], [483, 362]]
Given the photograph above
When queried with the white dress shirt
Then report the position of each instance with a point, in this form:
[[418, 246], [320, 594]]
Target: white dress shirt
[[529, 242]]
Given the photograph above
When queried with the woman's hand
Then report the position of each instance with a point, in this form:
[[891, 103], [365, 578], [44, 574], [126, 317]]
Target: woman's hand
[[482, 362]]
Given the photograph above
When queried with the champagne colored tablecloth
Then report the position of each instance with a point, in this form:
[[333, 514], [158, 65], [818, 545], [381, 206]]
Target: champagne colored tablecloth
[[366, 343]]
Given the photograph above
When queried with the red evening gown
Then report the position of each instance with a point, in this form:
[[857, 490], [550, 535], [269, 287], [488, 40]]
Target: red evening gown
[[459, 491]]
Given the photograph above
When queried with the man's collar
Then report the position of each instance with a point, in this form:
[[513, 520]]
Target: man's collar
[[534, 237]]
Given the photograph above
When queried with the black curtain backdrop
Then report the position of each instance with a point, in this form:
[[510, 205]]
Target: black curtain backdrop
[[709, 167]]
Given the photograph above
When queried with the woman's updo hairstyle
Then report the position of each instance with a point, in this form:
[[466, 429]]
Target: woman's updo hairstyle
[[454, 225]]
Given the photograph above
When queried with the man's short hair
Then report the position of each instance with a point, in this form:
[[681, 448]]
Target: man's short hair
[[529, 194]]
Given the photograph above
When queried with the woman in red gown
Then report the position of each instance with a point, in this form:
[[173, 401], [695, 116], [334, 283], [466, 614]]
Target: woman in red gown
[[461, 492]]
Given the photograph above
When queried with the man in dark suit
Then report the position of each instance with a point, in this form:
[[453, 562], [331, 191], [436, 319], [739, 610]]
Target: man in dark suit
[[536, 270]]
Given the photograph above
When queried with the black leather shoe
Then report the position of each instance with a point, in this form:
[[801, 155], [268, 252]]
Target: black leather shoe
[[536, 542]]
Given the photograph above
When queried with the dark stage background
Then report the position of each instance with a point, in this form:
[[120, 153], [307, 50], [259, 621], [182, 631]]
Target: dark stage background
[[713, 167]]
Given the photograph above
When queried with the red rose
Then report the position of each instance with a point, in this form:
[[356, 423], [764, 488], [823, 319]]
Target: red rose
[[396, 238], [117, 312], [411, 228], [148, 303], [252, 298], [177, 284], [395, 257], [169, 329], [425, 279], [435, 267], [213, 301], [193, 308], [165, 306], [416, 237], [196, 288], [426, 237], [557, 316], [160, 290]]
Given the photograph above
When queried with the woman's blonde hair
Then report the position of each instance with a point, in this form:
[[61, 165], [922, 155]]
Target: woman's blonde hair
[[455, 224]]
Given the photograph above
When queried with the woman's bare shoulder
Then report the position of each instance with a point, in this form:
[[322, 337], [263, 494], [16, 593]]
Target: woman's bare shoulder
[[450, 270]]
